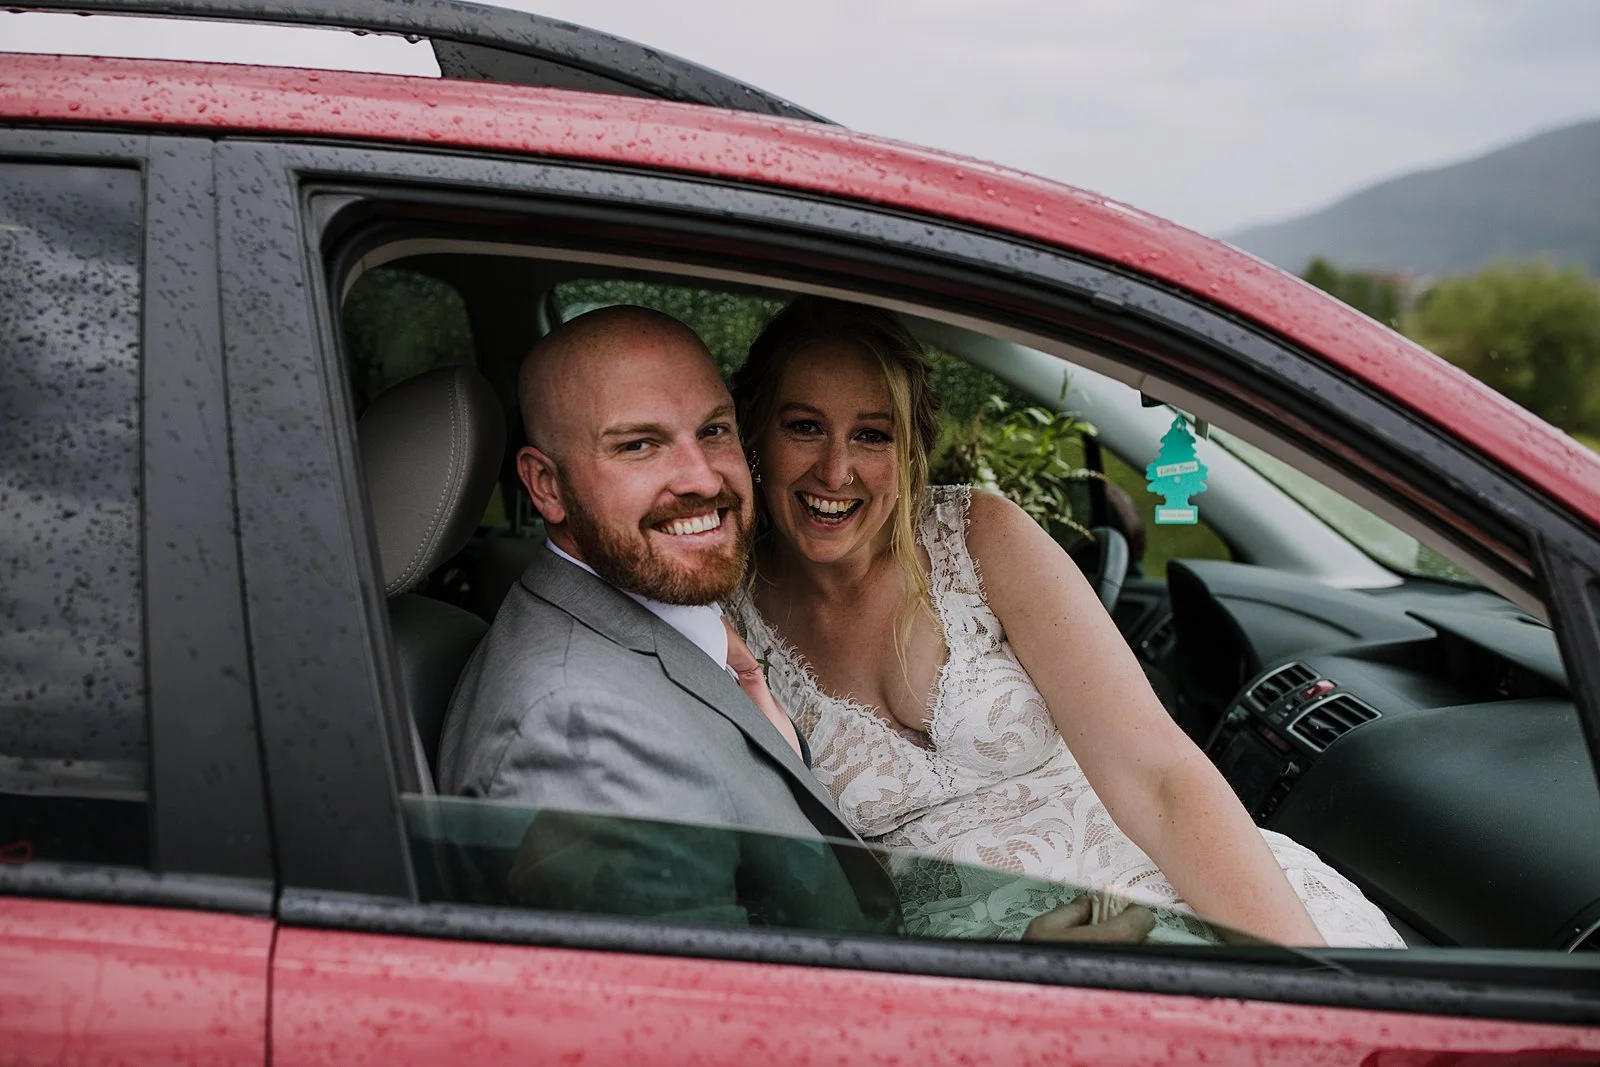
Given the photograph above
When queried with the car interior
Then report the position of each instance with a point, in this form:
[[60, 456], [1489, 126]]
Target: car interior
[[1364, 686]]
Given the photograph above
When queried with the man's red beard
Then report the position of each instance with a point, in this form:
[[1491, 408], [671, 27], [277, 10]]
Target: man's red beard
[[628, 560]]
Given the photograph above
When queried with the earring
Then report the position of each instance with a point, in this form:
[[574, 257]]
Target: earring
[[755, 467]]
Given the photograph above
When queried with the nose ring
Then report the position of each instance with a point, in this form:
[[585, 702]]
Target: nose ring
[[850, 479]]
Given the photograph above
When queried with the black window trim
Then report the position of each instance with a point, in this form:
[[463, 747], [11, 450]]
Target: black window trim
[[801, 239], [203, 728], [206, 828], [312, 588], [145, 888]]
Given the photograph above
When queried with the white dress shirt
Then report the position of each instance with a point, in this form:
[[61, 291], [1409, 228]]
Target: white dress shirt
[[700, 623]]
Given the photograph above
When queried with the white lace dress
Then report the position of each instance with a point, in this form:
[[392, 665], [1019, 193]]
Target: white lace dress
[[994, 787]]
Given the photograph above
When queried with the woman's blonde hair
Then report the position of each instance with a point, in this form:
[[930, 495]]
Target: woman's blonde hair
[[810, 321]]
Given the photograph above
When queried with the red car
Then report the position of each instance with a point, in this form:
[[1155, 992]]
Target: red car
[[218, 827]]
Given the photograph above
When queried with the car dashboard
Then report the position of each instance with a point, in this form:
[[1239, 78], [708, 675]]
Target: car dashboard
[[1421, 739]]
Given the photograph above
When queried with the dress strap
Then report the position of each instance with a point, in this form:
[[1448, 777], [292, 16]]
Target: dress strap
[[955, 586], [943, 533]]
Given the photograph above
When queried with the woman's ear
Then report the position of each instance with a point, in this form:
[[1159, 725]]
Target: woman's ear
[[543, 481]]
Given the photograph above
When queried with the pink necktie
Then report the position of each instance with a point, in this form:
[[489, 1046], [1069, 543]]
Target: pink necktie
[[753, 680]]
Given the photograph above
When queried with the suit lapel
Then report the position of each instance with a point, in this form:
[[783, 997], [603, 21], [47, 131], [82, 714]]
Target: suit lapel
[[597, 605], [608, 611], [694, 672]]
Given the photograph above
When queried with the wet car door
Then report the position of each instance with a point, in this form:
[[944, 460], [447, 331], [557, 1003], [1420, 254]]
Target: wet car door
[[135, 872], [369, 957]]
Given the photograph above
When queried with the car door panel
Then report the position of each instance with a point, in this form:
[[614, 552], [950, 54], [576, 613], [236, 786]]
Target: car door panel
[[88, 984], [342, 998], [135, 871]]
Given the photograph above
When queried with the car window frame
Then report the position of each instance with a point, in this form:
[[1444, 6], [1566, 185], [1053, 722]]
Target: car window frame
[[209, 845], [293, 205]]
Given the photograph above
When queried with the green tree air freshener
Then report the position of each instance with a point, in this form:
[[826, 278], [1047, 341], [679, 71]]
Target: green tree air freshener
[[1175, 475]]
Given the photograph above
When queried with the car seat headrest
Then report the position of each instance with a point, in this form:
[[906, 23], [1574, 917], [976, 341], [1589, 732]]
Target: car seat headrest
[[431, 449]]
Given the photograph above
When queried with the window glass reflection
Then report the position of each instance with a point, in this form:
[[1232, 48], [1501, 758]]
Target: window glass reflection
[[71, 670]]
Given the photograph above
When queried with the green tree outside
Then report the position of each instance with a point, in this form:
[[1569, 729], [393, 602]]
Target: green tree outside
[[1378, 295], [398, 323], [726, 322], [1527, 330]]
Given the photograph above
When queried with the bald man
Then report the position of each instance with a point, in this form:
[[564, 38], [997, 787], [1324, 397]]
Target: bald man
[[601, 702]]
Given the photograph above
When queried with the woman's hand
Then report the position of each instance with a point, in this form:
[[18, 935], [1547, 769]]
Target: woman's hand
[[1070, 923]]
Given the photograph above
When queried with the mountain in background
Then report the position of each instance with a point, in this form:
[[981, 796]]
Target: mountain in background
[[1536, 198]]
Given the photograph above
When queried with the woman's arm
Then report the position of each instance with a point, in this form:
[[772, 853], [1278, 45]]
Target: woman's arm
[[1157, 785]]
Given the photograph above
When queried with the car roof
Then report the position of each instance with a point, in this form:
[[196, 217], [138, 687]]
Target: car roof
[[475, 42], [808, 157]]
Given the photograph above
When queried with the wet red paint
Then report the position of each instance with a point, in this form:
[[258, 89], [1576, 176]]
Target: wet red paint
[[90, 984], [801, 156], [342, 999]]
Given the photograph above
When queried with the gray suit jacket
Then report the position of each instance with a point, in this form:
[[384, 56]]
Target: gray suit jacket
[[584, 705]]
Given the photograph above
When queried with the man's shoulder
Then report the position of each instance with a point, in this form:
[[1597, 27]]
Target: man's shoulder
[[541, 648], [536, 664]]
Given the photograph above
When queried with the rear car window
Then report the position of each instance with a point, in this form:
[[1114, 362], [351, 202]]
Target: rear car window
[[726, 322], [72, 724], [399, 323]]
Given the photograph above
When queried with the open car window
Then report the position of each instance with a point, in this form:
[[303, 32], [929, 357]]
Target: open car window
[[1294, 655], [398, 323], [992, 434]]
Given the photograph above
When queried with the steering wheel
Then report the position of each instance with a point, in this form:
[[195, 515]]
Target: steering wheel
[[1103, 557]]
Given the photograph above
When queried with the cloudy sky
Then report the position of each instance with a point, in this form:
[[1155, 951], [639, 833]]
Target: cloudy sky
[[1217, 115]]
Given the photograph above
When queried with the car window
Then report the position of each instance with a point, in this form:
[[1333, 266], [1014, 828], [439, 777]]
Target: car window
[[726, 322], [399, 322], [499, 854], [1046, 460], [72, 692], [1295, 652]]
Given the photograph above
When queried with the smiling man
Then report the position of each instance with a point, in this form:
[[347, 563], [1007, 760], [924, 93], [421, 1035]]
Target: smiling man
[[604, 687], [634, 460]]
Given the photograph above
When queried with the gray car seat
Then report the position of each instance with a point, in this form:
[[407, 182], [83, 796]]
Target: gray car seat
[[430, 449]]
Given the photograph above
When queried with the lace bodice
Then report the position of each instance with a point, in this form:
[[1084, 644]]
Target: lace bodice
[[993, 784], [988, 727]]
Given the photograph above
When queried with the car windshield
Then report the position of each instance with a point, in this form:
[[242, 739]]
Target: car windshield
[[1389, 546]]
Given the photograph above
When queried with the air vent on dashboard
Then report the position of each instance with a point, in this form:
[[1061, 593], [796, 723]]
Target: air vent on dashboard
[[1328, 720], [1275, 686], [1157, 644]]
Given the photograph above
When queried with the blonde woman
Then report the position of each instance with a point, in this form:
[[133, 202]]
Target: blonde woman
[[962, 690]]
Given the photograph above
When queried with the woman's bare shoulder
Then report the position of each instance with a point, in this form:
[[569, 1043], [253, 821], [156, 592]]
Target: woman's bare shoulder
[[1004, 540]]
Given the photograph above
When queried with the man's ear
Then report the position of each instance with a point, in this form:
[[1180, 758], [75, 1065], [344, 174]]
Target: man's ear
[[543, 482]]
